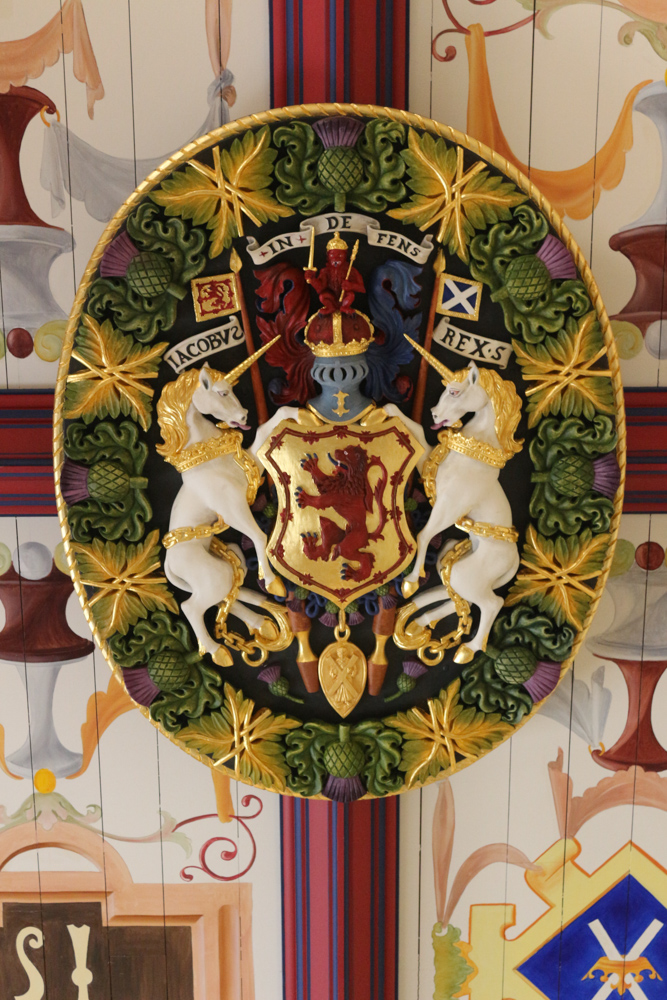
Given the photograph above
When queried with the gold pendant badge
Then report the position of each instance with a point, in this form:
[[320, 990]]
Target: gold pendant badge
[[342, 670]]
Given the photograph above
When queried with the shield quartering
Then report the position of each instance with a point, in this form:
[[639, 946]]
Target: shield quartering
[[341, 529]]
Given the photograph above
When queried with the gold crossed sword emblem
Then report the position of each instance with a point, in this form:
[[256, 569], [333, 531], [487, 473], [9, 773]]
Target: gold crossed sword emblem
[[342, 672]]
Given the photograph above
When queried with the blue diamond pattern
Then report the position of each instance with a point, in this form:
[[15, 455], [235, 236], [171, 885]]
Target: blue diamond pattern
[[558, 968]]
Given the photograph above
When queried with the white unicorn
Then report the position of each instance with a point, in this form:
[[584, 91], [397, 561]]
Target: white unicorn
[[220, 481], [460, 477]]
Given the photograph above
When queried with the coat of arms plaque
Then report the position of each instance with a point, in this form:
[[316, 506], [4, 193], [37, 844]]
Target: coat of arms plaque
[[339, 449]]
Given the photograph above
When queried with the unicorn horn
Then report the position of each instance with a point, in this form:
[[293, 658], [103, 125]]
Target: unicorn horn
[[234, 375], [445, 373]]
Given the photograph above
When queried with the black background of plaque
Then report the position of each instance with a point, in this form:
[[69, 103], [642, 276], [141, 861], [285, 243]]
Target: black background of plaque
[[164, 481], [141, 962]]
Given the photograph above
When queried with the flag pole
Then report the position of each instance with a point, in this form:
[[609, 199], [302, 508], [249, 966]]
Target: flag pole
[[439, 265], [236, 264]]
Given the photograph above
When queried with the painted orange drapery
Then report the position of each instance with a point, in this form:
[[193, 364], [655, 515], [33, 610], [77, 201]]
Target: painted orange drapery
[[573, 192], [25, 59], [103, 708]]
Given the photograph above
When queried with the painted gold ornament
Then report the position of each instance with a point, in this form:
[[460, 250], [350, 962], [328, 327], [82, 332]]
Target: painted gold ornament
[[339, 454]]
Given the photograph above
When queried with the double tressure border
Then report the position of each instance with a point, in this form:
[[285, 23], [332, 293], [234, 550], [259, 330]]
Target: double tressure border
[[319, 110]]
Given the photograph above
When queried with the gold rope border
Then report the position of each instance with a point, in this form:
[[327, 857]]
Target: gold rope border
[[296, 112]]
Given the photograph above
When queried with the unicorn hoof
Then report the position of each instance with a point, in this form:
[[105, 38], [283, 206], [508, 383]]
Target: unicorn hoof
[[222, 657], [276, 587], [464, 654], [409, 587], [268, 631]]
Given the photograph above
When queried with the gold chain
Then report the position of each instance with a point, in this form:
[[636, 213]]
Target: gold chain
[[273, 636], [411, 635], [486, 530], [342, 629], [432, 652], [189, 534]]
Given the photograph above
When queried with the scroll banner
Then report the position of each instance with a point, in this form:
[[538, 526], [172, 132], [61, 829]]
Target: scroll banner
[[472, 345], [340, 222], [201, 345]]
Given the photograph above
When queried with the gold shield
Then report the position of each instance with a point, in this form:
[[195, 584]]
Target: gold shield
[[341, 529]]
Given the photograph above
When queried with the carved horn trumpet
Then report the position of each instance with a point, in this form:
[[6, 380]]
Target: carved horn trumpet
[[445, 373], [234, 375]]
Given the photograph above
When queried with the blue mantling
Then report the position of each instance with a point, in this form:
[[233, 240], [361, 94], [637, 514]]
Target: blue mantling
[[393, 292]]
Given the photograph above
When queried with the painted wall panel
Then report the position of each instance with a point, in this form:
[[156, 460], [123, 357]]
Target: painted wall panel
[[558, 101]]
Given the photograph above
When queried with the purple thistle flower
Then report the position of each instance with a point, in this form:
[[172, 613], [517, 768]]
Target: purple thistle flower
[[344, 789], [607, 475], [412, 671], [74, 481], [329, 619], [355, 618], [413, 668], [117, 257], [557, 258], [140, 686], [388, 601], [338, 131], [543, 681], [278, 685]]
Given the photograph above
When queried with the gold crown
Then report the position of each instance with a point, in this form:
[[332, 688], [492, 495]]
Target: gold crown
[[338, 348], [336, 243]]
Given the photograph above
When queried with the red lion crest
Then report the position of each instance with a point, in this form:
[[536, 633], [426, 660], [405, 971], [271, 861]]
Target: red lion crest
[[348, 492]]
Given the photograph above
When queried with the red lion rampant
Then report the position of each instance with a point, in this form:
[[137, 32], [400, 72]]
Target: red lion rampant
[[347, 491]]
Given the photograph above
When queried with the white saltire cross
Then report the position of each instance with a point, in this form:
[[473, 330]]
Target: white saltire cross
[[460, 296], [612, 952]]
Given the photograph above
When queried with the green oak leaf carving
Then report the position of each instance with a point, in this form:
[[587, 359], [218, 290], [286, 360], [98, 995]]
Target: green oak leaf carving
[[113, 452], [172, 241], [570, 445], [299, 171], [534, 317]]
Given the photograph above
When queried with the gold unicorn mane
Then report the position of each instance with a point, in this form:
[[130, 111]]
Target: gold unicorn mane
[[506, 408], [172, 406], [506, 405]]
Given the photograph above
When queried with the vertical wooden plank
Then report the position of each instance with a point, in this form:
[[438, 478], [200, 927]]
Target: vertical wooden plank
[[409, 940]]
